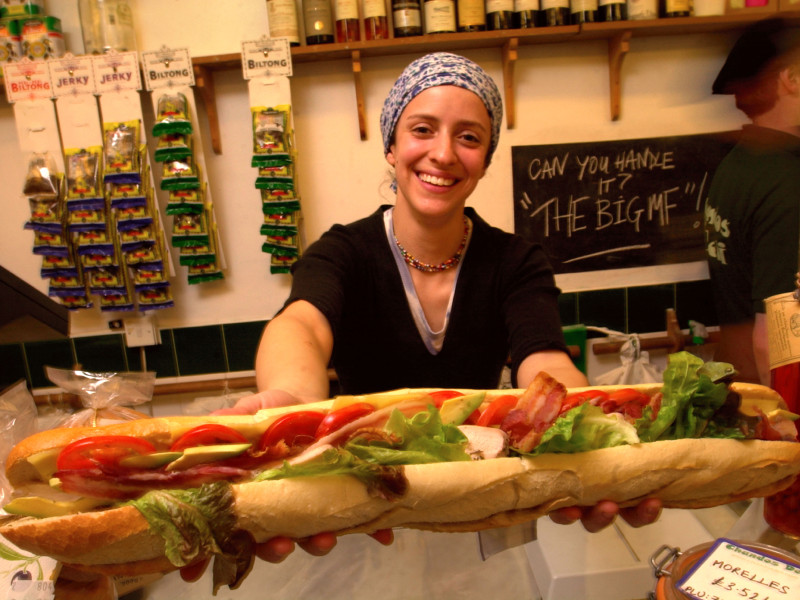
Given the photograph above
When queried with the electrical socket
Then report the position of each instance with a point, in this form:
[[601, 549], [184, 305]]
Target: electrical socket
[[141, 331]]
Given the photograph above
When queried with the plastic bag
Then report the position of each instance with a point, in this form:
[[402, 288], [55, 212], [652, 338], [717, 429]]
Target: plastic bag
[[105, 397], [636, 366], [18, 420]]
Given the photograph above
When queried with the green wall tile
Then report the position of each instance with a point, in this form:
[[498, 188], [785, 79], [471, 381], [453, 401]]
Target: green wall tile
[[695, 301], [602, 308], [12, 365], [101, 353], [241, 343], [200, 350], [52, 353], [647, 306]]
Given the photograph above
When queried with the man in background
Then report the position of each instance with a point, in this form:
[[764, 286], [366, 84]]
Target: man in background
[[752, 215]]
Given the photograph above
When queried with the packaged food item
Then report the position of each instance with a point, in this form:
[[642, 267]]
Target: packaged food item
[[136, 237], [121, 195], [41, 38], [271, 133], [203, 272], [82, 218], [185, 201], [41, 178], [281, 245], [172, 115], [76, 301], [154, 298], [121, 152], [83, 173], [280, 224], [21, 8], [109, 280], [180, 174], [173, 146], [148, 277], [281, 264], [50, 243], [46, 215], [190, 230], [10, 40], [58, 265], [275, 205]]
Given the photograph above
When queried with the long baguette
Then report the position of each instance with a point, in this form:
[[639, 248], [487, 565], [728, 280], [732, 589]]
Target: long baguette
[[459, 496]]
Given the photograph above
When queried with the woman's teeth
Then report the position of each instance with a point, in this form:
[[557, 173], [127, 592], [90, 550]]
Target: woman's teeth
[[436, 180]]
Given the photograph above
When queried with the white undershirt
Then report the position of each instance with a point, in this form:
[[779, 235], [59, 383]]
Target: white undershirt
[[433, 340]]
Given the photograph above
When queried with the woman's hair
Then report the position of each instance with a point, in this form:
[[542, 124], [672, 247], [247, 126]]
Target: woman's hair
[[441, 68]]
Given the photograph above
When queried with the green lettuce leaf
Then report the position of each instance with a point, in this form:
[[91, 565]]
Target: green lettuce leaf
[[586, 427]]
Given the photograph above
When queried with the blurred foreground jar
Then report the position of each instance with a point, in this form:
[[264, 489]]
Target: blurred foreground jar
[[782, 510], [106, 25], [670, 565]]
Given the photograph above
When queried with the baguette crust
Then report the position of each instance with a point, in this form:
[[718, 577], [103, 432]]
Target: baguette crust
[[460, 496]]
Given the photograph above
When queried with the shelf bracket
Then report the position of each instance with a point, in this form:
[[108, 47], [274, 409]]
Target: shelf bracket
[[204, 82], [362, 110], [618, 47], [509, 62]]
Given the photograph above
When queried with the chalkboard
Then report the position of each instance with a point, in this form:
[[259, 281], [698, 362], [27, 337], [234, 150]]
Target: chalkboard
[[617, 204]]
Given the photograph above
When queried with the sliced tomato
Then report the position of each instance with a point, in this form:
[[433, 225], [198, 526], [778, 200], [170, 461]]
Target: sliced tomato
[[339, 418], [106, 450], [293, 429], [209, 434], [625, 395], [596, 397], [497, 410], [439, 396]]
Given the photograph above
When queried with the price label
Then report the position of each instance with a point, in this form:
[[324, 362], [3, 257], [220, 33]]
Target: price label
[[115, 72], [167, 67], [267, 57], [729, 571], [72, 75], [27, 80]]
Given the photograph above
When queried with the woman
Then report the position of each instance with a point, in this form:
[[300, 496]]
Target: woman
[[424, 293]]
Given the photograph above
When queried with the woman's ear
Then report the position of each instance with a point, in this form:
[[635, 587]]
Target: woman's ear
[[390, 156]]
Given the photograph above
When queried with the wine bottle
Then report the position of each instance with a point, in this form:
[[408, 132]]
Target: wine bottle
[[282, 16], [440, 16], [527, 14], [376, 25], [582, 11], [346, 15], [407, 17], [555, 12], [318, 21], [669, 9], [499, 14], [642, 10], [612, 10], [471, 15]]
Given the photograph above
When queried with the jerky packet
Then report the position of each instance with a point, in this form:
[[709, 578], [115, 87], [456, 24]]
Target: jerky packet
[[105, 397], [272, 137], [83, 173], [122, 152], [173, 146], [42, 179], [180, 174], [172, 115], [190, 230], [154, 298]]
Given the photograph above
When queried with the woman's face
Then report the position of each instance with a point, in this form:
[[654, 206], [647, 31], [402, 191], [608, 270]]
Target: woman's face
[[439, 149]]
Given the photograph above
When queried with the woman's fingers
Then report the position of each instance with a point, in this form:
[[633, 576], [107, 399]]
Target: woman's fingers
[[602, 514], [275, 550], [384, 536], [644, 513], [319, 544]]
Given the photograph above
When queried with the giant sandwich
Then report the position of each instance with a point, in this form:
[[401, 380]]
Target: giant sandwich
[[157, 494]]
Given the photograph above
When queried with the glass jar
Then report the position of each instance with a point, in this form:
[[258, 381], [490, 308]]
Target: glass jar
[[782, 510], [670, 565], [107, 25]]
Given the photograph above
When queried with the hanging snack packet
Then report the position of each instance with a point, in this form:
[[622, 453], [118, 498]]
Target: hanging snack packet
[[50, 243], [53, 266], [271, 134], [121, 152], [116, 302], [154, 298], [185, 201], [172, 115], [98, 260], [109, 280], [190, 230], [284, 224], [204, 272], [41, 178], [66, 285], [279, 206], [200, 254], [136, 237], [46, 215], [146, 277], [150, 257], [83, 173], [282, 245], [281, 264], [76, 301], [182, 174], [173, 146], [132, 217], [121, 195], [95, 242]]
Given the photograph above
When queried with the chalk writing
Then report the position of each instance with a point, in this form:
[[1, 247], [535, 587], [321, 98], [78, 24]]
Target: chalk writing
[[616, 204]]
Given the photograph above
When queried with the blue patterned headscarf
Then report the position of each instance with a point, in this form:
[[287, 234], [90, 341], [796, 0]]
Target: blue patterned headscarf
[[441, 68]]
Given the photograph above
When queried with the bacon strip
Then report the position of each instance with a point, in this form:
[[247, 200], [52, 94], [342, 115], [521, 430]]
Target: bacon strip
[[536, 410]]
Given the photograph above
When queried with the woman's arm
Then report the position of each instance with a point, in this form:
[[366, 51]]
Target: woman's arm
[[294, 353], [555, 363]]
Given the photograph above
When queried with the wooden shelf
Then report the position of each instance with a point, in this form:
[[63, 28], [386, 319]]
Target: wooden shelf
[[618, 35]]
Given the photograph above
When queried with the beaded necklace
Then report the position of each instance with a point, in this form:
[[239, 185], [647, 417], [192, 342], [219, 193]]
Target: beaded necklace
[[429, 268]]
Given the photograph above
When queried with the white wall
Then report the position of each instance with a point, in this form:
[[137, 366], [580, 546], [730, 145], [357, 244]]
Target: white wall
[[561, 96]]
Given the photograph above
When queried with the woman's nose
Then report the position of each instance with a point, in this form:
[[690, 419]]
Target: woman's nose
[[443, 149]]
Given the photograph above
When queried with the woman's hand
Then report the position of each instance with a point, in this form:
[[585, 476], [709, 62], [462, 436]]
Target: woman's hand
[[601, 515], [278, 548]]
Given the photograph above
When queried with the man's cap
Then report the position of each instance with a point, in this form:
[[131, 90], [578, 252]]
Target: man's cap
[[758, 45]]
